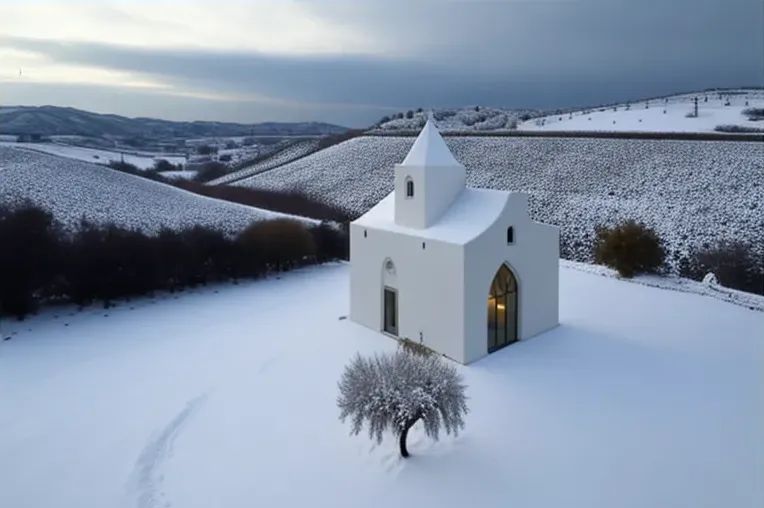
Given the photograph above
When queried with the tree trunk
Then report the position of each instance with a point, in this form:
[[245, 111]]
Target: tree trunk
[[404, 435]]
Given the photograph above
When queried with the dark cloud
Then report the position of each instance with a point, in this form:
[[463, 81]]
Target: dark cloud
[[536, 54]]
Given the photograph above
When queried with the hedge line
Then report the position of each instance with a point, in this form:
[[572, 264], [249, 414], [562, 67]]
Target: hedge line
[[40, 263], [292, 203]]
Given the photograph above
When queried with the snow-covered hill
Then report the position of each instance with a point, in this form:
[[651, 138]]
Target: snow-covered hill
[[693, 192], [73, 190], [671, 114], [288, 154], [722, 108], [96, 156], [226, 397], [473, 118], [53, 120]]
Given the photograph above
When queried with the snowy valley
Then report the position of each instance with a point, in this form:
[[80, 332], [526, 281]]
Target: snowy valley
[[209, 382]]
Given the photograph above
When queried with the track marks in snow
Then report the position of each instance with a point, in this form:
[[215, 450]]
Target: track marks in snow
[[148, 469]]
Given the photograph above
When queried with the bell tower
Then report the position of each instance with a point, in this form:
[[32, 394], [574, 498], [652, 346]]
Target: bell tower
[[428, 180]]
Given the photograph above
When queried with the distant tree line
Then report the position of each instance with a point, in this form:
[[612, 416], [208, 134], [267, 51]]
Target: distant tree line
[[41, 262]]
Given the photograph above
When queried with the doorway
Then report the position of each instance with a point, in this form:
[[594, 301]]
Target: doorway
[[502, 310], [390, 312]]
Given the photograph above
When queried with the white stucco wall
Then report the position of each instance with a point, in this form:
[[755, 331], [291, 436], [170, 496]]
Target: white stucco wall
[[435, 189], [430, 286], [444, 184], [534, 260], [409, 212]]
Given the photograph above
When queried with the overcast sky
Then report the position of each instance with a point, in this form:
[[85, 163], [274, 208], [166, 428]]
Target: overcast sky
[[352, 61]]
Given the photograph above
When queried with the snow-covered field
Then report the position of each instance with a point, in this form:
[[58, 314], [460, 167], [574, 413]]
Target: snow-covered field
[[292, 152], [72, 189], [226, 397], [649, 116], [642, 116], [95, 155], [693, 192]]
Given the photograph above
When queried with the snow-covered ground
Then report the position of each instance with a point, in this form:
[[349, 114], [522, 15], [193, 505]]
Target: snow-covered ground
[[183, 175], [292, 152], [643, 116], [659, 115], [693, 192], [72, 189], [226, 397], [95, 155]]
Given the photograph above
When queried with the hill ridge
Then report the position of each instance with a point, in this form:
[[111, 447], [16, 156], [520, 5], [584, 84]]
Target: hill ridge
[[51, 120]]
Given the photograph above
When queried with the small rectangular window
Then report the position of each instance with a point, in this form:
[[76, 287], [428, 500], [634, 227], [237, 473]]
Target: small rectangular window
[[510, 235]]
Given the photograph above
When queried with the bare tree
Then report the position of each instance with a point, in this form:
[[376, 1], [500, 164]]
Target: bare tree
[[394, 391]]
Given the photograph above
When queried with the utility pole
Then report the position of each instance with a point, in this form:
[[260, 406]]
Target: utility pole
[[696, 107]]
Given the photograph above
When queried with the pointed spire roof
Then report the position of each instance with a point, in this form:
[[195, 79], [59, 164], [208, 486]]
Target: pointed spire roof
[[429, 148]]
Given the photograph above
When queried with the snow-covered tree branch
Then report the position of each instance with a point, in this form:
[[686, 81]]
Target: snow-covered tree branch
[[394, 391]]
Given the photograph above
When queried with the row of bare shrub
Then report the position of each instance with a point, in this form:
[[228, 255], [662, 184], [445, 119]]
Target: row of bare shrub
[[632, 248], [41, 263], [293, 203]]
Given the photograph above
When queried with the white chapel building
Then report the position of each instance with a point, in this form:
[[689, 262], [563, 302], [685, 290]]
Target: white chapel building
[[464, 271]]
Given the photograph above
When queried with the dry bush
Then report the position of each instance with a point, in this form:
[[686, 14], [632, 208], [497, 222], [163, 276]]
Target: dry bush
[[630, 248], [280, 243], [734, 264], [414, 348]]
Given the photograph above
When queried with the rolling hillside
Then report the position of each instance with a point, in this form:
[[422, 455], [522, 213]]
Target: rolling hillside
[[290, 153], [671, 114], [721, 108], [73, 190], [96, 156], [53, 120], [693, 192], [474, 118]]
